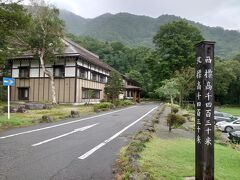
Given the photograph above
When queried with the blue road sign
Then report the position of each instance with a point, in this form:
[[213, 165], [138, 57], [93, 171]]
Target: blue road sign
[[8, 81]]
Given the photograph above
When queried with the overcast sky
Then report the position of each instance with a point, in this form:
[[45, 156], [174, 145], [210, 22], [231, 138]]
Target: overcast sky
[[224, 13]]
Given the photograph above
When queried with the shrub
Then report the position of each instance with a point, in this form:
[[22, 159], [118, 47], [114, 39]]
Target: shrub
[[127, 102], [175, 120], [175, 110], [103, 106], [120, 103], [103, 100]]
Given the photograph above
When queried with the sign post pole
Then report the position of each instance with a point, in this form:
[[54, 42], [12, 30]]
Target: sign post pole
[[204, 111], [8, 102], [8, 82]]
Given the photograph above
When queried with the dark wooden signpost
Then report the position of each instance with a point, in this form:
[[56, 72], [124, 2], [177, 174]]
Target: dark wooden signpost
[[204, 111]]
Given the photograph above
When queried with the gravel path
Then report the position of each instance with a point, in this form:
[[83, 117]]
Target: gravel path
[[162, 128]]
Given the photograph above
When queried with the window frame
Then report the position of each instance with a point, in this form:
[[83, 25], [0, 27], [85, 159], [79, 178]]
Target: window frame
[[27, 68], [96, 96], [61, 67], [95, 74], [21, 98], [85, 70]]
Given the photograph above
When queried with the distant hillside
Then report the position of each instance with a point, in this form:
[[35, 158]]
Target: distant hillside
[[134, 30]]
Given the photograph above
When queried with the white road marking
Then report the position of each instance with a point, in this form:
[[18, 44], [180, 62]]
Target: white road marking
[[63, 135], [79, 120], [84, 156]]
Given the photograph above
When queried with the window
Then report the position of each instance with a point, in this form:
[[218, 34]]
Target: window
[[59, 71], [23, 93], [90, 93], [83, 73], [24, 72], [102, 79], [94, 76]]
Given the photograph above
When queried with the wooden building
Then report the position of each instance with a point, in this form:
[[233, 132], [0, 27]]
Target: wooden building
[[131, 89], [77, 71]]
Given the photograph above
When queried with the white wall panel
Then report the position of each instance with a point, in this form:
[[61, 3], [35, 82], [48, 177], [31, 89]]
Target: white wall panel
[[15, 73], [34, 72], [70, 72]]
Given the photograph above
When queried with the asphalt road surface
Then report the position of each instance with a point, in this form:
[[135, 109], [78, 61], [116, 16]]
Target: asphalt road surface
[[78, 149]]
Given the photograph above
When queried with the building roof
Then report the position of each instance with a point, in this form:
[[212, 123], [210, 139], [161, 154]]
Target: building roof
[[132, 87], [73, 49]]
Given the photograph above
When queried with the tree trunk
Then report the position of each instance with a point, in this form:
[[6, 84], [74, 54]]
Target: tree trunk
[[50, 75], [171, 101], [180, 98], [169, 128]]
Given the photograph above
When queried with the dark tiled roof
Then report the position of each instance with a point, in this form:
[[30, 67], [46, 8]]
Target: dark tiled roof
[[132, 87], [73, 49]]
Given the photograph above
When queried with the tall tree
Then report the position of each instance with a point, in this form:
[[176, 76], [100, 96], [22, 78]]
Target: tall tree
[[175, 45], [114, 85], [185, 79], [13, 19], [169, 89], [45, 37]]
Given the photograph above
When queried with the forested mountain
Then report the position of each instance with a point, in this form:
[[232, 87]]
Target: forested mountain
[[134, 30]]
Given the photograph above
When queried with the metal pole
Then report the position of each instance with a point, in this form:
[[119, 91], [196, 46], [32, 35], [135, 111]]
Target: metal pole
[[8, 102]]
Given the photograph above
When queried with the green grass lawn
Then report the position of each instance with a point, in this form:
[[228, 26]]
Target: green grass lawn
[[58, 113], [175, 159], [235, 111]]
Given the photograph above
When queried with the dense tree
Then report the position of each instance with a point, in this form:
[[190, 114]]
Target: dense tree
[[45, 37], [227, 82], [175, 45], [114, 85], [237, 57], [136, 76], [149, 69], [13, 20]]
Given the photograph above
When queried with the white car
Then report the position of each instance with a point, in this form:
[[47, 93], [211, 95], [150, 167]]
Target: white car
[[228, 126]]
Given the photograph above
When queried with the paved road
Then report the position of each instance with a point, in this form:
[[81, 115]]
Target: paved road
[[79, 149]]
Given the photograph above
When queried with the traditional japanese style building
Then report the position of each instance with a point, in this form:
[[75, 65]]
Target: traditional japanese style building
[[131, 90], [76, 72]]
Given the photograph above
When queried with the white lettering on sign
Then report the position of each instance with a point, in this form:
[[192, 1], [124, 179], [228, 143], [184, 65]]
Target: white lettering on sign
[[198, 122], [204, 98], [208, 123], [208, 59], [208, 105], [208, 73], [199, 61], [199, 95], [208, 141], [208, 130], [199, 104], [208, 96], [199, 86], [208, 113], [199, 74], [209, 86], [198, 129], [198, 112], [198, 139]]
